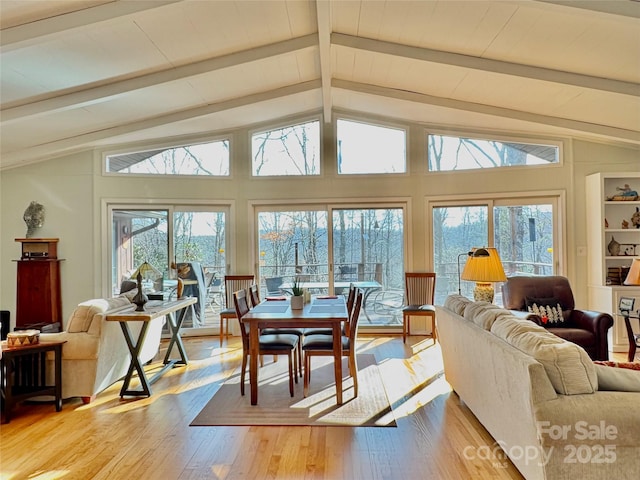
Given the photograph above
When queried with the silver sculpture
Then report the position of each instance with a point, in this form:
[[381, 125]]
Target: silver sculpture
[[33, 217]]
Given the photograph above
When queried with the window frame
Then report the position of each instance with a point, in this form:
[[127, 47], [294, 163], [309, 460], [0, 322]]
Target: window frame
[[284, 123], [376, 122], [172, 143], [493, 137], [557, 198]]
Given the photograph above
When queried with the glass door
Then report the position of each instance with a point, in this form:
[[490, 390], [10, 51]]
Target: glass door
[[329, 247], [524, 232], [368, 250], [456, 229], [194, 235], [199, 236], [292, 244], [138, 236]]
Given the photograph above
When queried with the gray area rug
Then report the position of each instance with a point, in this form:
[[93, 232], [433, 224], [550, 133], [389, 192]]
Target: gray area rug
[[276, 407]]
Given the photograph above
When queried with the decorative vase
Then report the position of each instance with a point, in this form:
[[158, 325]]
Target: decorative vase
[[140, 299], [613, 247], [297, 302]]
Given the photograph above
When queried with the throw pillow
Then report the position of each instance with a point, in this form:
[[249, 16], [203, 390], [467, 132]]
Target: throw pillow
[[625, 378], [548, 309]]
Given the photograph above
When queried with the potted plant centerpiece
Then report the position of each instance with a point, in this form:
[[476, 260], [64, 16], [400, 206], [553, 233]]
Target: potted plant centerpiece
[[297, 300]]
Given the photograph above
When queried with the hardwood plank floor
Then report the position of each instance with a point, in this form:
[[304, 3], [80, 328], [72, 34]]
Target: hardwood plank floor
[[150, 438]]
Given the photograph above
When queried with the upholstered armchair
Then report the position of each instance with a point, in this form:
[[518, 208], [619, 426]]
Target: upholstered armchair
[[582, 327]]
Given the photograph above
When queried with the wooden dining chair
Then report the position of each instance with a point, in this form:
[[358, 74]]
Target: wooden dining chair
[[232, 283], [254, 295], [322, 345], [299, 332], [420, 289], [278, 344]]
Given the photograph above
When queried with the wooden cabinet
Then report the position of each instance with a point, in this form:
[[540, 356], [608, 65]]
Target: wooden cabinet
[[611, 247], [38, 299]]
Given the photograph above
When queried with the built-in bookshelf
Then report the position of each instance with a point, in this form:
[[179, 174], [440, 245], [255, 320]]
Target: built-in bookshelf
[[612, 244]]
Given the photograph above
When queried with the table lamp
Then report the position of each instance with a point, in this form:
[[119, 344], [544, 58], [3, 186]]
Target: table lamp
[[633, 277], [149, 272], [478, 252], [484, 267]]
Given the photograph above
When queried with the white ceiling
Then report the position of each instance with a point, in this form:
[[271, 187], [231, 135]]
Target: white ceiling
[[79, 74]]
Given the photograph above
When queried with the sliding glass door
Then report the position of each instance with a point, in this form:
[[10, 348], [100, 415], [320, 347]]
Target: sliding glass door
[[176, 240], [292, 244], [329, 247], [524, 231]]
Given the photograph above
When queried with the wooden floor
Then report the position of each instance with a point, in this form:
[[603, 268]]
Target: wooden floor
[[150, 438]]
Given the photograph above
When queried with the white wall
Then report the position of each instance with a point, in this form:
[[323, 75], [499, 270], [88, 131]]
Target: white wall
[[72, 190]]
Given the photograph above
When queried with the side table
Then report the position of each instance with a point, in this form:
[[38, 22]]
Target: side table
[[634, 338], [23, 374]]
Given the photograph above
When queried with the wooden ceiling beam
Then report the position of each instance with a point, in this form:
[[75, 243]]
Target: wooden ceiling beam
[[632, 136], [87, 96], [31, 33], [323, 12], [487, 65], [85, 140]]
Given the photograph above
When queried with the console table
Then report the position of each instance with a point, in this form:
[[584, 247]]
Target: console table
[[23, 374], [175, 311]]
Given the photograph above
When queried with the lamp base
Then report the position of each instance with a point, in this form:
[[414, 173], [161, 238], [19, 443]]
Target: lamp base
[[483, 292]]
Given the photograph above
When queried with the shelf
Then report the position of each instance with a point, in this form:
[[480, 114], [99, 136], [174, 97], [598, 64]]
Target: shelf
[[619, 257], [622, 230], [618, 202]]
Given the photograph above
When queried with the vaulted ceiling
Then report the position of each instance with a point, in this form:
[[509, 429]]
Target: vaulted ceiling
[[76, 75]]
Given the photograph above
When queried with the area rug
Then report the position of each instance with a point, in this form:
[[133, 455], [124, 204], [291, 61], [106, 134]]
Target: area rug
[[276, 407]]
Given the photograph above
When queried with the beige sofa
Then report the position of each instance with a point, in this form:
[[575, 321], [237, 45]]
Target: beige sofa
[[95, 354], [538, 396]]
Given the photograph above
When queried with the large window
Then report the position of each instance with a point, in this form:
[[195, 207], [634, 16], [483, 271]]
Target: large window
[[462, 153], [524, 232], [290, 150], [364, 148], [207, 159]]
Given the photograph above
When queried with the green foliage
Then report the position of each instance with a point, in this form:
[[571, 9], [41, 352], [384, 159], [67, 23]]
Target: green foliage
[[296, 287]]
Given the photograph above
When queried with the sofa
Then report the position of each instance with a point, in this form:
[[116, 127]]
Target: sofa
[[95, 354], [553, 411], [586, 328]]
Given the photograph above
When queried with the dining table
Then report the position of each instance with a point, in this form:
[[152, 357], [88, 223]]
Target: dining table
[[367, 286], [276, 312]]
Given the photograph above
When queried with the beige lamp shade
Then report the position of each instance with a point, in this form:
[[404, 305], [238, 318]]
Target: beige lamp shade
[[484, 270], [148, 271], [633, 277]]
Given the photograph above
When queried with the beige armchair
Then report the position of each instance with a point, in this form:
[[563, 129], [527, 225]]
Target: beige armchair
[[95, 354]]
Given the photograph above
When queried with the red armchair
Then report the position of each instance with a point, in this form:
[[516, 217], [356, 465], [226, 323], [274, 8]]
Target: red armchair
[[582, 327]]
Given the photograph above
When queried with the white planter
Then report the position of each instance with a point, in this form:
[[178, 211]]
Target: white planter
[[297, 302]]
